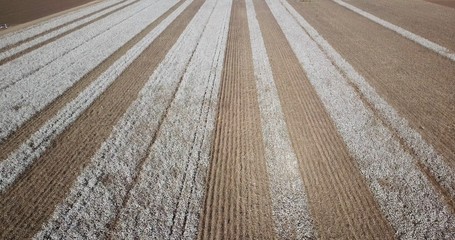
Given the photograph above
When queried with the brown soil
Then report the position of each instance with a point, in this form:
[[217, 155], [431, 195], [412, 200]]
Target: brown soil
[[17, 12], [237, 203], [31, 201], [341, 202], [415, 81], [447, 3], [428, 20], [25, 51]]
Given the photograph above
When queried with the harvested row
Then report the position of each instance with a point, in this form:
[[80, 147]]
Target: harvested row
[[37, 193], [401, 189], [289, 202], [53, 24], [237, 200], [339, 199], [22, 100], [22, 48]]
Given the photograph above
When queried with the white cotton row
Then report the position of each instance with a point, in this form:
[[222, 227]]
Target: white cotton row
[[408, 200], [98, 194], [173, 178], [23, 34], [403, 32], [48, 58], [29, 44], [31, 149], [22, 100], [289, 202]]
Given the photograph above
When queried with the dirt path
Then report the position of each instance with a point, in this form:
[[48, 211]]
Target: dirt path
[[415, 81], [37, 191], [341, 203], [428, 20], [237, 201]]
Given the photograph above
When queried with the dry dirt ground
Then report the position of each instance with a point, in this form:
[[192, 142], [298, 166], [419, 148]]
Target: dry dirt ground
[[17, 12], [228, 119]]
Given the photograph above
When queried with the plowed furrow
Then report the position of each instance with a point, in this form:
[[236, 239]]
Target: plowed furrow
[[73, 149], [341, 202], [237, 203]]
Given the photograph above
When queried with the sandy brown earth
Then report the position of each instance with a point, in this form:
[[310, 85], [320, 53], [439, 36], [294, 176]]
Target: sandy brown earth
[[448, 3], [345, 198], [17, 12], [237, 203], [431, 21], [408, 76]]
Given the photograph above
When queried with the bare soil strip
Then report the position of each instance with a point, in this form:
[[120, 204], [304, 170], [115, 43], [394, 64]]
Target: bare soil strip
[[20, 50], [104, 186], [415, 82], [291, 213], [17, 12], [26, 35], [428, 20], [443, 51], [25, 205], [237, 201], [341, 203], [401, 189]]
